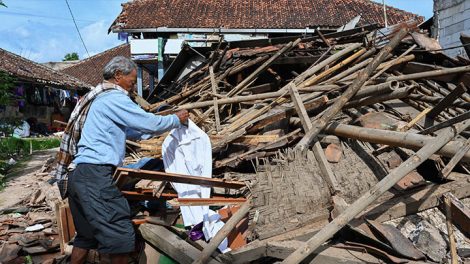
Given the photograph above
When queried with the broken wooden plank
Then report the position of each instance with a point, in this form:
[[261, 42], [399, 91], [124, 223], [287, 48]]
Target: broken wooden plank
[[216, 105], [416, 201], [173, 177], [450, 230], [446, 101], [171, 244], [324, 255], [210, 201], [393, 138], [456, 159], [460, 212]]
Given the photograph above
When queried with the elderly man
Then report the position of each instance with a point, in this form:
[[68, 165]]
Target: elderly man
[[100, 213]]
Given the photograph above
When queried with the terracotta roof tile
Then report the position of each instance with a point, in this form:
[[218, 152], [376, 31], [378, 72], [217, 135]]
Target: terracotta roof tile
[[272, 14], [90, 70], [25, 69]]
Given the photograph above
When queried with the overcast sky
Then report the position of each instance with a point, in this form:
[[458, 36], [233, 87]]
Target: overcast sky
[[42, 30]]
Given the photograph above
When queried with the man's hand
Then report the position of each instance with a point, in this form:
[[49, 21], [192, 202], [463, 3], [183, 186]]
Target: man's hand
[[183, 115]]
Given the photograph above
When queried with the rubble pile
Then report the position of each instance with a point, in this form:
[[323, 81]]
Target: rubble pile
[[341, 137], [28, 230], [310, 124]]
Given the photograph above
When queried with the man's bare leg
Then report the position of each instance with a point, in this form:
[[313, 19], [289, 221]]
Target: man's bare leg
[[79, 255], [119, 258]]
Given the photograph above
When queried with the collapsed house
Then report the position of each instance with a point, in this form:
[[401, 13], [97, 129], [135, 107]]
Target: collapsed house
[[374, 106], [355, 138]]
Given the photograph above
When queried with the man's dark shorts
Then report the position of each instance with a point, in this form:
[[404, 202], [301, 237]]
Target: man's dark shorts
[[100, 213]]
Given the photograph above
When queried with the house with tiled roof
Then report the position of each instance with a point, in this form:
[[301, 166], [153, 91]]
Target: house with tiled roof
[[157, 28], [90, 70], [249, 16], [25, 70], [39, 91]]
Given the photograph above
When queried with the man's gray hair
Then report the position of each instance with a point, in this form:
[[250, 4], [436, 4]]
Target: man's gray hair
[[118, 64]]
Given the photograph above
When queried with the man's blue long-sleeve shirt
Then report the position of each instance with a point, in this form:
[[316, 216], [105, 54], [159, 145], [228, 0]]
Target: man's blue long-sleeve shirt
[[111, 117]]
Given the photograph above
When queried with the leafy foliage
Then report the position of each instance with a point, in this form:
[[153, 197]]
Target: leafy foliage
[[7, 83], [6, 86], [71, 56], [2, 4]]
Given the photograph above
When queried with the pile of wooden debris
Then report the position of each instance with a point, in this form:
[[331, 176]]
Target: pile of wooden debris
[[347, 144], [332, 134]]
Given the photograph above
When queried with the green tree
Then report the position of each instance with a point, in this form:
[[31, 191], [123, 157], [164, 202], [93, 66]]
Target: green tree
[[7, 83], [6, 86], [2, 4], [70, 56]]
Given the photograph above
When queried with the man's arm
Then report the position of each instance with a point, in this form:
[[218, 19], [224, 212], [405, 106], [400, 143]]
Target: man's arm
[[124, 112]]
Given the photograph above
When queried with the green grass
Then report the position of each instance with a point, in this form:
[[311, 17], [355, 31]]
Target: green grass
[[13, 147], [19, 150]]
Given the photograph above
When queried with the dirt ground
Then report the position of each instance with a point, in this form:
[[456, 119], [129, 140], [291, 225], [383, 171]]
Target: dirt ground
[[23, 180]]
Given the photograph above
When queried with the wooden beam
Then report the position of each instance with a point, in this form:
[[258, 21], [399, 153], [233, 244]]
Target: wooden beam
[[171, 244], [173, 177], [251, 252], [417, 201], [210, 201], [325, 168], [247, 139], [460, 213], [216, 105], [456, 159], [450, 229], [325, 255], [447, 101]]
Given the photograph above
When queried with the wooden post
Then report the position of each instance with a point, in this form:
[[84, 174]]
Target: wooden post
[[325, 168], [315, 79], [393, 138], [450, 230], [216, 105], [242, 85], [428, 74], [415, 120], [223, 233], [456, 159], [171, 244], [351, 91], [375, 192], [394, 62], [446, 123], [444, 103], [311, 71]]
